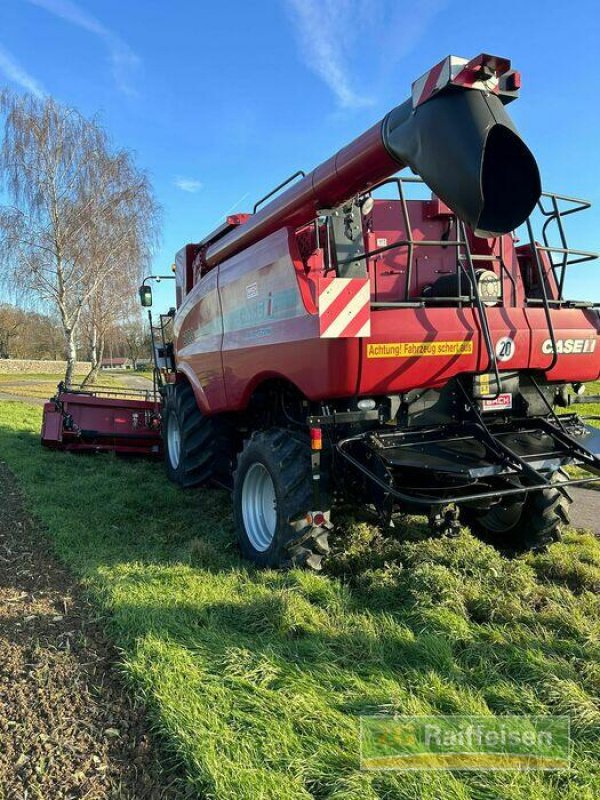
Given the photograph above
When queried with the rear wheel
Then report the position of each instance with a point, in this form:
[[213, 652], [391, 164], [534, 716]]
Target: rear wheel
[[197, 449], [273, 503], [530, 524]]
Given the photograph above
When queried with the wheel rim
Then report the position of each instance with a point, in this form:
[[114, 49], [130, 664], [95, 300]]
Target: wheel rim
[[502, 519], [259, 507], [173, 440]]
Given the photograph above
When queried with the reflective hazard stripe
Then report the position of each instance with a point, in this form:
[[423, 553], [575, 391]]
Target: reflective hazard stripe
[[344, 307], [461, 72]]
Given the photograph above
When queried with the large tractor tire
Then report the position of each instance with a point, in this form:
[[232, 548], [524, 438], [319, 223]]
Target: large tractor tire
[[198, 449], [519, 525], [272, 501]]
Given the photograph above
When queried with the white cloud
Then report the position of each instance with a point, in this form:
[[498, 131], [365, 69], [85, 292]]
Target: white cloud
[[403, 26], [351, 44], [188, 184], [15, 73], [123, 60], [324, 30]]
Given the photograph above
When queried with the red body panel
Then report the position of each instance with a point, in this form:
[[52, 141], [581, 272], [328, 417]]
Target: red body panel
[[200, 341], [255, 317], [99, 423]]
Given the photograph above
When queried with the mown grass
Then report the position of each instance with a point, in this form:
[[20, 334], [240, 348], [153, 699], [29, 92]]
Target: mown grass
[[588, 409], [256, 679], [590, 412], [43, 386], [30, 385]]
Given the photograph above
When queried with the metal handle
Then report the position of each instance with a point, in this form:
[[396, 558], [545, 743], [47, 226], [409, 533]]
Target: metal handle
[[299, 174]]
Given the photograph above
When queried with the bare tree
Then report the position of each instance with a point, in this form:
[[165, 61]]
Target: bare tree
[[25, 333], [137, 339], [11, 321], [78, 212], [113, 302]]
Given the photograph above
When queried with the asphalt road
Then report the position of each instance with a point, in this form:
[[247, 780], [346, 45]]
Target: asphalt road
[[36, 401], [585, 511], [131, 380]]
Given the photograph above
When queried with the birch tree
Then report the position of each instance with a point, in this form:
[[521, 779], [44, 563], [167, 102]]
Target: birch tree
[[78, 211], [109, 307]]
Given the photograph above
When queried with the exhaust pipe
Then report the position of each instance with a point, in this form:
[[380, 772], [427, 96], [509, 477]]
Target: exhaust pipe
[[467, 150], [454, 133]]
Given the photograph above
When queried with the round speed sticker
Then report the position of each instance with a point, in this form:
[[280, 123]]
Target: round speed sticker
[[505, 348]]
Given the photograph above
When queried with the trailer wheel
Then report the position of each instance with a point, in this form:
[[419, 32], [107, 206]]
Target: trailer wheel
[[197, 449], [272, 496], [532, 524]]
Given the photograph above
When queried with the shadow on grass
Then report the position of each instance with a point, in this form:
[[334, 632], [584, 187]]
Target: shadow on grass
[[257, 678]]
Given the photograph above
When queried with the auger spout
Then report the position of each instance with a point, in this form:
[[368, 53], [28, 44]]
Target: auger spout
[[454, 132]]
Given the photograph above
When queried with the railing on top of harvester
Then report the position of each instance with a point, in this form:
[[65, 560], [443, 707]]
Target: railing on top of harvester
[[551, 207], [112, 392]]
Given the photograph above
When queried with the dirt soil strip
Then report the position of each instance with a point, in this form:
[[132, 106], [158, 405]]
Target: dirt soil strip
[[67, 726], [35, 401]]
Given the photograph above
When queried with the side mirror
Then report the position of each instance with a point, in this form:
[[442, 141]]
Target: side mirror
[[145, 296]]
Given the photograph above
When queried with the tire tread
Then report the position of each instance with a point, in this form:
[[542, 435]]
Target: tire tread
[[296, 548]]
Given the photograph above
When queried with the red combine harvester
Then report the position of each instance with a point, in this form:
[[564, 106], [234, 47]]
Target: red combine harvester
[[348, 339]]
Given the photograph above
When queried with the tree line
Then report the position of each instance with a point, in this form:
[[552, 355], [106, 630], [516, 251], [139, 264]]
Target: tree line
[[29, 334], [77, 226]]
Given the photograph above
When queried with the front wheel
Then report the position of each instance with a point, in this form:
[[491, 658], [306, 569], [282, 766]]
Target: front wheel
[[276, 523], [532, 523], [198, 449]]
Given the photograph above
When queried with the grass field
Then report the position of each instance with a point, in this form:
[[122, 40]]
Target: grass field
[[591, 390], [255, 680], [43, 386], [589, 410]]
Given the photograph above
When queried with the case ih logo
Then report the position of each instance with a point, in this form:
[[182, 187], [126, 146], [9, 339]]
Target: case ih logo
[[344, 307], [570, 346]]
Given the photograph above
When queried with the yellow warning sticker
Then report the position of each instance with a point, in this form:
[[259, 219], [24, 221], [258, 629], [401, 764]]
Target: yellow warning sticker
[[418, 349]]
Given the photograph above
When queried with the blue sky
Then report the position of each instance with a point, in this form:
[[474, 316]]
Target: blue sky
[[221, 101]]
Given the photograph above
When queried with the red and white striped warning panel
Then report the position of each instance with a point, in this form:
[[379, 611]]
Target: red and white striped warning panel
[[344, 307], [485, 72]]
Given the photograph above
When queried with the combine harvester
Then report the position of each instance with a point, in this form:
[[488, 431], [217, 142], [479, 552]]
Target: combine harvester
[[346, 340]]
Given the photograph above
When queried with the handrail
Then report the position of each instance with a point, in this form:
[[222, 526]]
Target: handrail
[[483, 320], [556, 214], [465, 258], [117, 392], [299, 174]]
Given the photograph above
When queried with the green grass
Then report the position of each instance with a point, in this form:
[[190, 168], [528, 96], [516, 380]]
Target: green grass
[[30, 385], [43, 386], [255, 680], [35, 377], [588, 409]]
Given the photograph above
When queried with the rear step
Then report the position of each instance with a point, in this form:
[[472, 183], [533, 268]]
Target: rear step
[[471, 462]]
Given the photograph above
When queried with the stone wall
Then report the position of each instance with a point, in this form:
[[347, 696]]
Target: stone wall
[[17, 366]]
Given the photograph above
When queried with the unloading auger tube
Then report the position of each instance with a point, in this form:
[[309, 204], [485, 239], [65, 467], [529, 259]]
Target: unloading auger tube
[[454, 132]]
